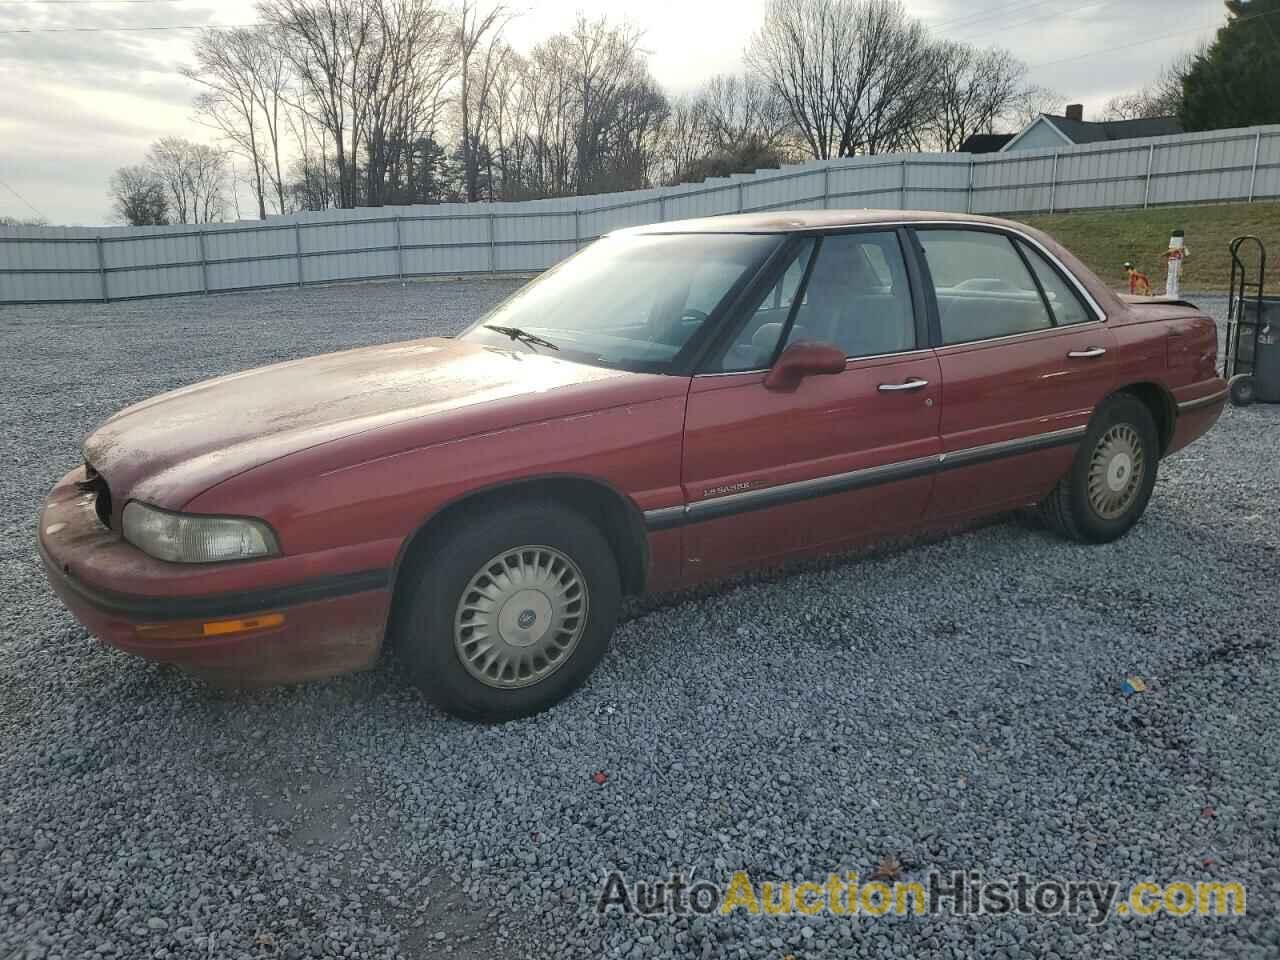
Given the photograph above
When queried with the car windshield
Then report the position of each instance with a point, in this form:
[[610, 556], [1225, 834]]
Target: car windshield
[[630, 302]]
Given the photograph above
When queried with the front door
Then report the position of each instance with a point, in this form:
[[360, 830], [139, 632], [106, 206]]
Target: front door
[[836, 460], [1025, 358]]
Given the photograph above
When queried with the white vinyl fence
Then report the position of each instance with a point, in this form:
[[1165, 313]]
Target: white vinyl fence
[[113, 263]]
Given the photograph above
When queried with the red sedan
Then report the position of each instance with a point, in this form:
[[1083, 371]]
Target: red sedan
[[675, 403]]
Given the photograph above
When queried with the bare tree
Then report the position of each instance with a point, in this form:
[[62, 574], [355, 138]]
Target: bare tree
[[686, 139], [373, 76], [313, 175], [896, 74], [481, 64], [1032, 103], [549, 108], [604, 70], [742, 111], [138, 197], [735, 123], [404, 88], [244, 74], [1131, 106], [194, 177], [507, 129], [579, 114], [974, 89], [856, 75], [805, 50], [326, 43], [1163, 98]]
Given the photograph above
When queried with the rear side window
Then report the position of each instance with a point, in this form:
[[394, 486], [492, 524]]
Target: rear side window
[[1063, 300], [984, 288]]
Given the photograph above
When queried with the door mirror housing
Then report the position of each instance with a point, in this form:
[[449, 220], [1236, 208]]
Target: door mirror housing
[[805, 359]]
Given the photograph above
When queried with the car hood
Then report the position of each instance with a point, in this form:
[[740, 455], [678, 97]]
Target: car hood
[[172, 447]]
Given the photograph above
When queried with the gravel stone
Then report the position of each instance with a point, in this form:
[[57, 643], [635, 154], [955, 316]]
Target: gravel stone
[[955, 704]]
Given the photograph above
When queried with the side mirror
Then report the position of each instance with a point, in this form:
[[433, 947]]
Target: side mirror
[[805, 359]]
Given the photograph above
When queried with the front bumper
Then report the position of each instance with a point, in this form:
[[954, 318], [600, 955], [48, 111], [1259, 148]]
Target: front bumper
[[331, 617]]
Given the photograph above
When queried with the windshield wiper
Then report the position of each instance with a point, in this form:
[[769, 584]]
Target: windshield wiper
[[524, 336]]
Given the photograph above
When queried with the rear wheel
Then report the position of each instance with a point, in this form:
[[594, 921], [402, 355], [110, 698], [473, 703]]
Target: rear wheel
[[509, 612], [1110, 482]]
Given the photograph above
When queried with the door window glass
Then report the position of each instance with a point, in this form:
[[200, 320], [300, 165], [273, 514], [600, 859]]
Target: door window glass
[[1063, 301], [984, 289], [754, 346], [858, 296]]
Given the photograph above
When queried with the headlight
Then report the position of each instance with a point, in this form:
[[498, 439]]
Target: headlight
[[189, 538]]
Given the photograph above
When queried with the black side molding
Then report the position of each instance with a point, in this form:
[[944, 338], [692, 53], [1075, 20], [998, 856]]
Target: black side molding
[[161, 609], [710, 509]]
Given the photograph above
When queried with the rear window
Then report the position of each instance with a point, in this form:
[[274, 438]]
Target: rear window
[[1065, 303]]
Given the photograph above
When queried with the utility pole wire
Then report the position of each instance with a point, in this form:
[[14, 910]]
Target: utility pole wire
[[1146, 40], [190, 26], [29, 204]]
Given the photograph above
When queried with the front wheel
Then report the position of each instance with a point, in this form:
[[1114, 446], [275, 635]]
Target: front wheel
[[510, 611], [1110, 482]]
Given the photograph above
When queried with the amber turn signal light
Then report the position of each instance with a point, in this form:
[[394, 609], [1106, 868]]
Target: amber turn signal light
[[194, 630]]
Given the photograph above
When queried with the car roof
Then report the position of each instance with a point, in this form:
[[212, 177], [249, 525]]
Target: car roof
[[793, 221], [800, 221]]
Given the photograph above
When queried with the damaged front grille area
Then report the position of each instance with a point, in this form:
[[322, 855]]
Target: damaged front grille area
[[96, 483]]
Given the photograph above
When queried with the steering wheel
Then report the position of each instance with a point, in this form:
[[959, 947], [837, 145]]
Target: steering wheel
[[674, 334]]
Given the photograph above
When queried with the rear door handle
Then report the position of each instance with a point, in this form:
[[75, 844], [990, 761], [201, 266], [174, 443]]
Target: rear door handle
[[915, 383], [1091, 352]]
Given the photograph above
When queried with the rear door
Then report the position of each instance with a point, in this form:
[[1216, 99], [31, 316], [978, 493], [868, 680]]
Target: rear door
[[1024, 356], [840, 458]]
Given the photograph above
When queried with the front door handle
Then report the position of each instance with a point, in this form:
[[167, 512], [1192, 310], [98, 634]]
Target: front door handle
[[1090, 352], [915, 383]]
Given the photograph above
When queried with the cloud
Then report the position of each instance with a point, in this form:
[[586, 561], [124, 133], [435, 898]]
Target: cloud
[[1070, 47], [74, 106]]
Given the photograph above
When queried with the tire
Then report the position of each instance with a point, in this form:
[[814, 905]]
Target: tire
[[1242, 390], [1122, 426], [509, 575]]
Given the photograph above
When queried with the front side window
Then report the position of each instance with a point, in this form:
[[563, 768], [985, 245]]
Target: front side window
[[858, 296], [984, 288], [756, 342], [628, 302]]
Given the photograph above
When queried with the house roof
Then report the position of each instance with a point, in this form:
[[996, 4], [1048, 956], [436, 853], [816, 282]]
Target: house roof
[[985, 142], [1088, 131]]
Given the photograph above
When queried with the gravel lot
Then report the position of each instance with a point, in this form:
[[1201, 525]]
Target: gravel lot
[[956, 704]]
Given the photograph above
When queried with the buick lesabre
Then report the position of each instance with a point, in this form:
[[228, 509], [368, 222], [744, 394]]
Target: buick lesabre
[[673, 404]]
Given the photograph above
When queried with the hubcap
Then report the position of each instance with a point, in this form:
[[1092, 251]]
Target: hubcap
[[1116, 471], [521, 617]]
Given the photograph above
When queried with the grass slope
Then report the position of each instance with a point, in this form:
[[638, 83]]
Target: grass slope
[[1106, 239]]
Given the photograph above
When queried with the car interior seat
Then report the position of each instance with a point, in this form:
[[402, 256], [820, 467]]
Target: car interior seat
[[851, 308]]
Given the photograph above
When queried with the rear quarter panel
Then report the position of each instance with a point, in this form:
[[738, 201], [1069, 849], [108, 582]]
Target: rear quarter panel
[[1174, 346]]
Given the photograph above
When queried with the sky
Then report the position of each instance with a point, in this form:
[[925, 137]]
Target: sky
[[75, 104]]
